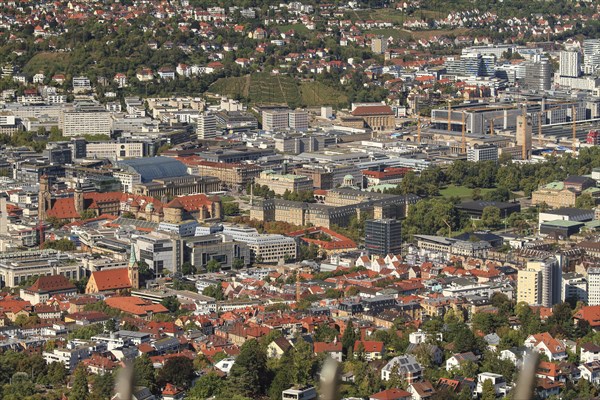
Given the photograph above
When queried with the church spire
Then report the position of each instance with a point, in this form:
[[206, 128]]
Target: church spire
[[133, 269]]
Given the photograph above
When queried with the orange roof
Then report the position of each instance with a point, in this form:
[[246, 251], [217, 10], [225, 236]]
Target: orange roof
[[370, 346], [589, 313], [135, 305], [111, 279], [324, 347]]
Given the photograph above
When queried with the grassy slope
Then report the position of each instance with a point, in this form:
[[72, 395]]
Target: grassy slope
[[267, 88], [47, 61]]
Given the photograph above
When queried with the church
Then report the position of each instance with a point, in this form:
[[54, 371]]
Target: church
[[199, 206], [116, 279]]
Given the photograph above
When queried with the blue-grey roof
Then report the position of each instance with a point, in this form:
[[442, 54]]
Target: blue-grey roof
[[154, 167]]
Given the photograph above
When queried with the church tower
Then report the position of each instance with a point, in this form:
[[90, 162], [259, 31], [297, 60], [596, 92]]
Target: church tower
[[44, 198], [133, 269]]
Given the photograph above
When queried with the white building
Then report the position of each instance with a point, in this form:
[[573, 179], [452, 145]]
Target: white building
[[574, 286], [570, 64], [482, 153], [298, 120], [81, 84], [267, 248], [207, 126], [85, 119], [593, 289], [273, 120], [159, 251], [112, 150], [498, 380]]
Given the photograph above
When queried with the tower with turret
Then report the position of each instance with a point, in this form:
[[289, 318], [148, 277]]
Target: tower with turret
[[133, 269], [44, 198], [78, 199]]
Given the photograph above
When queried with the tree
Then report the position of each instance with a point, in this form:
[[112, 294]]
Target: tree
[[303, 362], [214, 291], [61, 244], [103, 386], [110, 325], [56, 373], [348, 339], [80, 390], [488, 392], [231, 208], [249, 376], [178, 371], [207, 385], [213, 266], [585, 201], [88, 214], [143, 372], [171, 303], [187, 268], [237, 263], [490, 217]]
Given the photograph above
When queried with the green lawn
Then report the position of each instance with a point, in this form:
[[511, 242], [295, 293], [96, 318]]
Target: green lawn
[[463, 192], [317, 93], [47, 62]]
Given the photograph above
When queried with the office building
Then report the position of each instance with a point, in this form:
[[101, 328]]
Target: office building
[[114, 150], [273, 120], [591, 55], [298, 120], [482, 153], [593, 289], [540, 283], [207, 126], [383, 236], [85, 119], [538, 75], [570, 64], [162, 253]]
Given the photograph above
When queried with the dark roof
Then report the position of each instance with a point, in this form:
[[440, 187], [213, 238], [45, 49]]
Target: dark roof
[[577, 179], [151, 168], [570, 212], [485, 236]]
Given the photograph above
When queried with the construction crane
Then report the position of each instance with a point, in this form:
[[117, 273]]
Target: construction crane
[[418, 130]]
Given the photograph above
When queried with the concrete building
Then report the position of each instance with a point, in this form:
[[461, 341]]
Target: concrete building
[[280, 183], [298, 120], [274, 120], [217, 247], [570, 64], [540, 283], [482, 153], [207, 126], [591, 55], [267, 248], [85, 119], [161, 252], [538, 75], [574, 287], [593, 289], [114, 150]]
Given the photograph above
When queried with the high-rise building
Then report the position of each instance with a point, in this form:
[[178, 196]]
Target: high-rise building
[[538, 75], [524, 130], [540, 283], [593, 286], [570, 64], [379, 45], [383, 236], [207, 126], [473, 64], [574, 287], [591, 55]]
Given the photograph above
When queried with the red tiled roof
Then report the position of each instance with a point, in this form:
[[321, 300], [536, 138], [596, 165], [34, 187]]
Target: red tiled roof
[[391, 394], [370, 346], [324, 347], [51, 283], [111, 279], [135, 305]]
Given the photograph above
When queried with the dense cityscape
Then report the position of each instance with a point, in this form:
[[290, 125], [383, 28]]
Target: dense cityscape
[[372, 199]]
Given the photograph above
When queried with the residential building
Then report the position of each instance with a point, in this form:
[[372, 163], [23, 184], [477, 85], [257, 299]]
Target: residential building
[[406, 366], [540, 283], [593, 289], [575, 287], [570, 64]]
